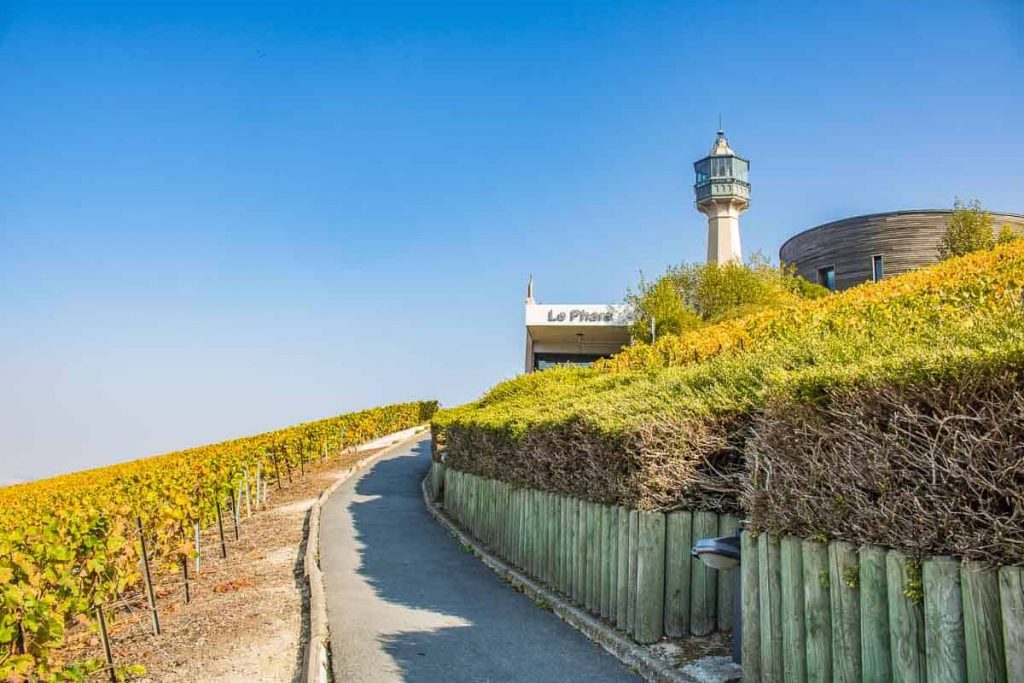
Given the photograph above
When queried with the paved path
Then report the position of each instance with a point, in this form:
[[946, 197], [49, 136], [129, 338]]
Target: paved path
[[406, 603]]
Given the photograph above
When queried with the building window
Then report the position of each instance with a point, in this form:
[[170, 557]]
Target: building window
[[827, 277], [877, 271], [543, 361]]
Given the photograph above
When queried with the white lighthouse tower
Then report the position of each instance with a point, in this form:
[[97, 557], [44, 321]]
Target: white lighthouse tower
[[722, 192]]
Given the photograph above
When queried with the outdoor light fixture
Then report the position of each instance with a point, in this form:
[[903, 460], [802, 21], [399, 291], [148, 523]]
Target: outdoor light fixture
[[723, 553], [718, 553]]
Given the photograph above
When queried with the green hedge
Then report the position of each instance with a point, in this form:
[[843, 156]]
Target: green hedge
[[667, 426]]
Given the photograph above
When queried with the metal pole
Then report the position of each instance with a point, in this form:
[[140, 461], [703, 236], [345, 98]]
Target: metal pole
[[248, 496], [105, 639], [150, 596], [220, 530]]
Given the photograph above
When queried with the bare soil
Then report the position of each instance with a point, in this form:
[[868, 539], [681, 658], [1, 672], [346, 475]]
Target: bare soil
[[247, 618]]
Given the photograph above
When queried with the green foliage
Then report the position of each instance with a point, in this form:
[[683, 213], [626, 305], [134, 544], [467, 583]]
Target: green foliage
[[67, 544], [662, 301], [969, 230], [1006, 235], [693, 295], [637, 430]]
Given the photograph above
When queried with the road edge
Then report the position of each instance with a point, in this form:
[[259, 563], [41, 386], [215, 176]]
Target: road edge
[[625, 650], [316, 656]]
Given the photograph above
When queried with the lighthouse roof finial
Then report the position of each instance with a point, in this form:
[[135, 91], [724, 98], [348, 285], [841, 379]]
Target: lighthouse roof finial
[[721, 147]]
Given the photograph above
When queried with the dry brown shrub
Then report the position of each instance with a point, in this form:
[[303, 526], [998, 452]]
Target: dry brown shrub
[[926, 468], [664, 464]]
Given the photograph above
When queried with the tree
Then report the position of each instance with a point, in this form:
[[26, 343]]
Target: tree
[[661, 301], [692, 295], [969, 229], [1006, 235]]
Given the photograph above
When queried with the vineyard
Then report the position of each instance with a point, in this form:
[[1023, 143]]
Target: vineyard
[[70, 545]]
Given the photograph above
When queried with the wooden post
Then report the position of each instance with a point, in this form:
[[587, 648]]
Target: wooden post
[[876, 658], [703, 579], [234, 516], [943, 620], [277, 471], [108, 657], [594, 557], [906, 620], [199, 551], [184, 577], [634, 519], [622, 571], [817, 611], [553, 530], [650, 577], [983, 628], [728, 525], [147, 578], [581, 554], [1011, 599], [844, 579], [678, 542], [769, 563], [613, 563], [220, 531], [794, 647], [604, 555], [751, 598], [566, 551]]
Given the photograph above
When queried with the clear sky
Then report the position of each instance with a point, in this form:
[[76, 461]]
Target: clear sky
[[221, 218]]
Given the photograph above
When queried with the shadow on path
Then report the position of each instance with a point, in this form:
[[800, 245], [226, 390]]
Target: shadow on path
[[490, 632]]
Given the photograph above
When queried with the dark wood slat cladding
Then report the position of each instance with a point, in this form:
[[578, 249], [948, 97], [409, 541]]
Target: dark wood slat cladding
[[905, 239]]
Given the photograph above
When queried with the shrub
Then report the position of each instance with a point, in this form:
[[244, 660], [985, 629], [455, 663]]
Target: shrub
[[931, 466], [667, 425], [692, 295], [969, 229]]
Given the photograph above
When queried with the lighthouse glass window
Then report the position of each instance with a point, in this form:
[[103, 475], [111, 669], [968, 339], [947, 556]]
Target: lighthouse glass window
[[703, 169], [741, 169]]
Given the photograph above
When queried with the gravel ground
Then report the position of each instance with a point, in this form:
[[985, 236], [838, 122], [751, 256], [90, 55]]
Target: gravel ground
[[246, 620]]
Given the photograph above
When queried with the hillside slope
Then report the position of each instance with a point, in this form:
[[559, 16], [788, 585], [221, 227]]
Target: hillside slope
[[672, 425]]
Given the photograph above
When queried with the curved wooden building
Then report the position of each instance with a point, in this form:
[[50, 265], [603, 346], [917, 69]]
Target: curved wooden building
[[848, 252]]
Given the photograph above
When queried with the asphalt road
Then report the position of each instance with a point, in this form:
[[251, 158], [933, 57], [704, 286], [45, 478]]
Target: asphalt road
[[406, 603]]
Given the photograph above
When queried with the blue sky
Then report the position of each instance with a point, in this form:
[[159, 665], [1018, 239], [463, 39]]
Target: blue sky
[[220, 218]]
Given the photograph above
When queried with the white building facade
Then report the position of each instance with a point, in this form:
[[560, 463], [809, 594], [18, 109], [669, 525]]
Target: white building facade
[[582, 333]]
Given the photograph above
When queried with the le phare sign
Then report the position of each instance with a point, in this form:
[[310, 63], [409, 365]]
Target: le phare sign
[[579, 315]]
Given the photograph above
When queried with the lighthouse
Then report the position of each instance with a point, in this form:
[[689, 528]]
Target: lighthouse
[[722, 193]]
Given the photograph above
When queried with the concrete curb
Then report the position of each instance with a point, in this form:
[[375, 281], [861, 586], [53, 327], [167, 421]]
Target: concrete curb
[[316, 656], [622, 648]]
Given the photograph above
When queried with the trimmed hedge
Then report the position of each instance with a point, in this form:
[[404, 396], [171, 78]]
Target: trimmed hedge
[[928, 467], [667, 426]]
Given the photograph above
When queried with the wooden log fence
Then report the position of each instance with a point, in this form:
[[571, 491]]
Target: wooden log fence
[[631, 568], [812, 610]]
